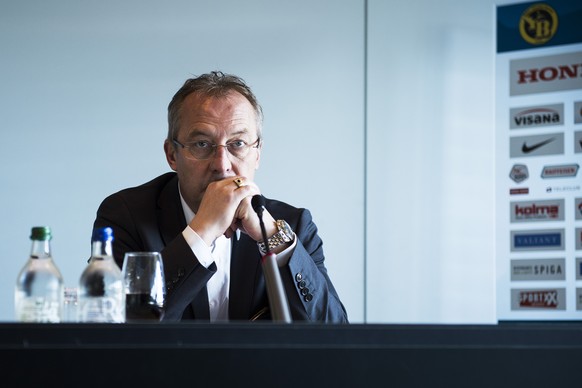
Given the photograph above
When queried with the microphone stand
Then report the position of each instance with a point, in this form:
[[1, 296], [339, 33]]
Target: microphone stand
[[275, 291]]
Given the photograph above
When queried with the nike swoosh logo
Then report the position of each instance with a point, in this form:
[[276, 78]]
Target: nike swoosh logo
[[527, 149]]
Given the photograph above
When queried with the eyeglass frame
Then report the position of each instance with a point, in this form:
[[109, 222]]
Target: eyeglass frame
[[255, 144]]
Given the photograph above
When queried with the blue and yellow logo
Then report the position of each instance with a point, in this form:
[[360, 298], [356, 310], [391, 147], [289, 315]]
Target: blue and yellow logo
[[538, 24]]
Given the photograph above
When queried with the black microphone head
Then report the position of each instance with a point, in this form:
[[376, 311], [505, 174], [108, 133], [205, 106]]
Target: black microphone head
[[258, 203]]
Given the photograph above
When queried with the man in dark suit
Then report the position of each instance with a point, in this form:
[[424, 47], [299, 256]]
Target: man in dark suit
[[201, 219]]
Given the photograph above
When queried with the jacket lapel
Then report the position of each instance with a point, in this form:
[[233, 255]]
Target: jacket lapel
[[170, 212]]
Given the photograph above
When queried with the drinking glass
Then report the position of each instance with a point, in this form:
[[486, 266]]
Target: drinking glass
[[145, 288]]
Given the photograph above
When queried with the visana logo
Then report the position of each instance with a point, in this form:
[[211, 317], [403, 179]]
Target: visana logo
[[538, 24], [537, 116]]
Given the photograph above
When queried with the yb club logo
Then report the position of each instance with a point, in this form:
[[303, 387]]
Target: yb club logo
[[538, 24]]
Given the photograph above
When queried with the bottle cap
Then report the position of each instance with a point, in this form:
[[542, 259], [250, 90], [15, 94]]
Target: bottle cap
[[102, 234], [40, 233]]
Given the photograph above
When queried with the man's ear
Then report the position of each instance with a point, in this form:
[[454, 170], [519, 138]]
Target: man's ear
[[170, 151], [258, 156]]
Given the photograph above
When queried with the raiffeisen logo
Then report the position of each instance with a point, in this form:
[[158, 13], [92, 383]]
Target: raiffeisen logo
[[546, 74], [538, 24], [532, 211], [537, 116]]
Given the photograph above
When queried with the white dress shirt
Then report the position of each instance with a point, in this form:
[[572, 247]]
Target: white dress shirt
[[219, 284]]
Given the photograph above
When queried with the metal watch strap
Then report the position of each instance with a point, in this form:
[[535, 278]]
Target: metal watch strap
[[277, 239]]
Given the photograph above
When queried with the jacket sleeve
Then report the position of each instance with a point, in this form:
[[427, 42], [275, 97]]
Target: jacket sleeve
[[310, 292], [133, 231]]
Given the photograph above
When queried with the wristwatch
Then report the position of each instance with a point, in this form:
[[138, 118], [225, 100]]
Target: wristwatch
[[283, 236]]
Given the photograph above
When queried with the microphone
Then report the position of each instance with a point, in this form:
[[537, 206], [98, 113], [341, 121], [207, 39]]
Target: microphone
[[275, 291]]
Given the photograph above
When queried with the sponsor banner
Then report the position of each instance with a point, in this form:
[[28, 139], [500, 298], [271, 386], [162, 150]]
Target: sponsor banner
[[538, 269], [578, 112], [545, 74], [534, 211], [535, 24], [519, 173], [536, 116], [578, 142], [536, 145], [537, 240], [538, 138], [545, 299], [561, 171]]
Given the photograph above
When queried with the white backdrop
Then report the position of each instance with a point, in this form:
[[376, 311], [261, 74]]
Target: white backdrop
[[408, 228], [85, 87]]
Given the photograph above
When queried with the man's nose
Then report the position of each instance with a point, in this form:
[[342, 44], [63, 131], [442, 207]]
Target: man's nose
[[221, 159]]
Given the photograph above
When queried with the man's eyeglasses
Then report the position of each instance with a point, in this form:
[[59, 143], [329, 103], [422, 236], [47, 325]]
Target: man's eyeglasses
[[202, 149]]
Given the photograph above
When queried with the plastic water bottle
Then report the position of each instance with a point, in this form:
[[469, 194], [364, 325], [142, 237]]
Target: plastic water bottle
[[101, 292], [38, 295]]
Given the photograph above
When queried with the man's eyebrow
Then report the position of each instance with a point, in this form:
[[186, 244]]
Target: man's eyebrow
[[200, 132]]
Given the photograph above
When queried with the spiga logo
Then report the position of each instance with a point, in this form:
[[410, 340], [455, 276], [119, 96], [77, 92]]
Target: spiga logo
[[538, 24]]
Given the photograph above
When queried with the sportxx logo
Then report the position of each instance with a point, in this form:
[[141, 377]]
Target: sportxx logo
[[538, 24], [537, 116], [539, 299]]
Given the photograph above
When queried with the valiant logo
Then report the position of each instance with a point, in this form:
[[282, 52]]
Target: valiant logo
[[546, 74], [537, 116], [537, 240], [533, 211]]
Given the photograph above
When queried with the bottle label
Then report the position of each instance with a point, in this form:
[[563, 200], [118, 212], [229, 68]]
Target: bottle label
[[101, 309], [38, 310]]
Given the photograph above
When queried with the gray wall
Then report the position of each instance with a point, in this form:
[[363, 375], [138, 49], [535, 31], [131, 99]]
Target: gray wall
[[407, 227]]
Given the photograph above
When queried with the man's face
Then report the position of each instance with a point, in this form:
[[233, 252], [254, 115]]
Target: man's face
[[218, 120]]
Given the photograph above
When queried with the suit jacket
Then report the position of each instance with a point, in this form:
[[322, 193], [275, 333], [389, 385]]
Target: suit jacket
[[150, 218]]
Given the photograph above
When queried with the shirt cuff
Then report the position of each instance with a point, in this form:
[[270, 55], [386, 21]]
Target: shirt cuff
[[202, 251]]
